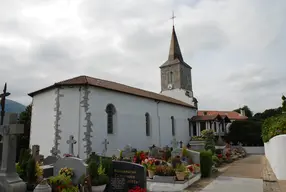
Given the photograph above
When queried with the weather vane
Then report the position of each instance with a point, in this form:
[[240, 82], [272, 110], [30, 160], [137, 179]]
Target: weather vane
[[173, 18], [3, 99]]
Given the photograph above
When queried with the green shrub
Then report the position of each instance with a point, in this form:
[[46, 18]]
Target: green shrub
[[206, 163], [209, 137], [273, 126], [31, 171]]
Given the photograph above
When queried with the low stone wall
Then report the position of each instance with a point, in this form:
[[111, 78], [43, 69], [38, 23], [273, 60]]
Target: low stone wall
[[276, 154], [197, 145], [255, 150]]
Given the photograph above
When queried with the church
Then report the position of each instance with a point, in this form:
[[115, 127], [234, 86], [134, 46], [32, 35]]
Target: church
[[103, 116]]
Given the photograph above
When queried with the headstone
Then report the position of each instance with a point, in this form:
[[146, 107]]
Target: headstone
[[71, 142], [48, 171], [50, 160], [125, 176], [176, 152], [36, 153], [155, 152], [78, 166], [9, 179], [127, 152]]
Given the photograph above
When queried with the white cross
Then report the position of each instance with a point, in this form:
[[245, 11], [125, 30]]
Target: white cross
[[105, 142], [173, 18], [9, 139], [174, 143], [54, 151], [71, 142]]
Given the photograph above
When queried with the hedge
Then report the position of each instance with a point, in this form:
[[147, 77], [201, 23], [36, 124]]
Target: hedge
[[273, 126], [206, 163]]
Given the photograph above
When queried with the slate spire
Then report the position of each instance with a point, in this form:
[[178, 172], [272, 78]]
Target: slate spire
[[175, 51]]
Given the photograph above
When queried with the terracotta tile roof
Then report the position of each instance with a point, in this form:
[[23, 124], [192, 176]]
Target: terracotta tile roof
[[232, 115], [210, 118], [85, 80]]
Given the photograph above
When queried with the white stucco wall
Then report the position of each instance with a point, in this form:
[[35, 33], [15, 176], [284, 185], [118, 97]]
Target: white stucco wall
[[42, 121], [179, 94], [129, 124], [275, 153]]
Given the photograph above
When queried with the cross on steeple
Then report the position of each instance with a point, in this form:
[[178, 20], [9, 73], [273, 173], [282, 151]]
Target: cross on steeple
[[173, 18]]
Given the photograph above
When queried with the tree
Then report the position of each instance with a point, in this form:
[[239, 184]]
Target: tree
[[25, 116], [24, 139], [248, 132], [248, 112], [268, 113]]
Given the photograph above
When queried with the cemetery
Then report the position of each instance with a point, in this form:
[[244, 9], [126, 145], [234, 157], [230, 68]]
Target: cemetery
[[157, 169]]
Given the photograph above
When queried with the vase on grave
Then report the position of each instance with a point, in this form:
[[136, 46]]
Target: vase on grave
[[43, 187], [99, 188], [180, 176], [151, 174]]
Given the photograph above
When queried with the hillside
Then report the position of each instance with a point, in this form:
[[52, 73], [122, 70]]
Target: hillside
[[14, 107]]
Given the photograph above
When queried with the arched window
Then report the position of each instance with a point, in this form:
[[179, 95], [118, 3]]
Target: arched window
[[147, 119], [170, 77], [110, 110], [173, 126]]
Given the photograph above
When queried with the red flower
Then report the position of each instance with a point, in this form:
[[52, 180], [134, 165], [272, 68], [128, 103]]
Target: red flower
[[219, 156], [137, 189]]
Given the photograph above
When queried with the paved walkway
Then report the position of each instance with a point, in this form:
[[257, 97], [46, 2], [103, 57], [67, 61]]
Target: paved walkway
[[251, 174]]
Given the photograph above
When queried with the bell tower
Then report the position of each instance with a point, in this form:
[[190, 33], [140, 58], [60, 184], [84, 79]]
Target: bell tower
[[176, 76]]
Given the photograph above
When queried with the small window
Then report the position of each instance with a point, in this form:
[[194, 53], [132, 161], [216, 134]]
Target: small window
[[147, 119], [110, 110], [173, 126], [170, 77]]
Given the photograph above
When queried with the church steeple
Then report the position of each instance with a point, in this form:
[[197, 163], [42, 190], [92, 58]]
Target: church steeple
[[175, 51], [175, 73]]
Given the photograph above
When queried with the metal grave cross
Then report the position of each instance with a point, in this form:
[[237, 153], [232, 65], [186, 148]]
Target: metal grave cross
[[71, 142], [173, 18], [9, 136], [174, 143], [105, 142]]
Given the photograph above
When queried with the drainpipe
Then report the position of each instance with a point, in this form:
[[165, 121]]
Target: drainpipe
[[79, 118], [159, 125]]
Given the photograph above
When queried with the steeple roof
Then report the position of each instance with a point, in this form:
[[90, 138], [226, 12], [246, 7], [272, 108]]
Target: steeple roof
[[175, 54], [175, 51]]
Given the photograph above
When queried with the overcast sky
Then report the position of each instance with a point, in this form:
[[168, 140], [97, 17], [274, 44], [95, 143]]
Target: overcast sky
[[235, 47]]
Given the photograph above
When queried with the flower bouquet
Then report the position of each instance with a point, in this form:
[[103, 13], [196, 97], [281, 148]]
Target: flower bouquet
[[149, 164], [68, 172]]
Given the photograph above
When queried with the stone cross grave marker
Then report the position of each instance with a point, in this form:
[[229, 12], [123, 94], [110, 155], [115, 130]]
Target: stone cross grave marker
[[105, 142], [127, 152], [174, 143], [9, 179], [71, 142]]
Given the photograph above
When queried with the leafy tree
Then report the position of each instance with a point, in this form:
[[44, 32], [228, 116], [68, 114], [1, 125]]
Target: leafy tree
[[25, 116], [248, 112], [268, 113], [24, 139], [247, 132]]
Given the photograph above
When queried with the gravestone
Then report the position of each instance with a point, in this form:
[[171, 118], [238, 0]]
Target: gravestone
[[9, 179], [125, 176], [78, 166], [48, 171], [176, 152], [36, 153], [127, 152], [155, 152], [50, 160]]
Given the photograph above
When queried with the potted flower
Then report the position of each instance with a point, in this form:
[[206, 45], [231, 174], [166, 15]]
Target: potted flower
[[97, 175], [149, 164], [181, 172]]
